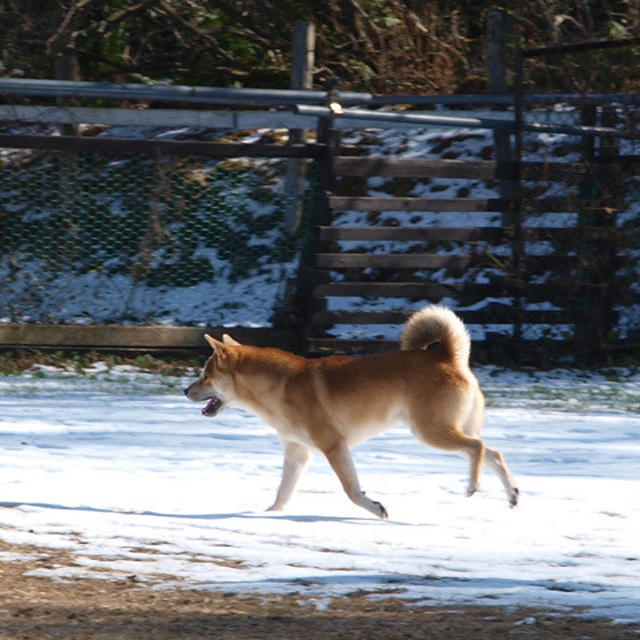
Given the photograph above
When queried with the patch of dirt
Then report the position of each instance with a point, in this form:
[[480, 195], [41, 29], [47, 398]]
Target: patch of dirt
[[37, 608]]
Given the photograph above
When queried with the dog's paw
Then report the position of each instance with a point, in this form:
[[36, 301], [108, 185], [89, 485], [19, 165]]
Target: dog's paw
[[514, 496], [382, 511]]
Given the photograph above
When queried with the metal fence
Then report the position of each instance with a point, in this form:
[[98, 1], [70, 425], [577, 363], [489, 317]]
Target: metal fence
[[588, 92]]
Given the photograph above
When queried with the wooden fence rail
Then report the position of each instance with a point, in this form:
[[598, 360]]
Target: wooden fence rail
[[156, 339]]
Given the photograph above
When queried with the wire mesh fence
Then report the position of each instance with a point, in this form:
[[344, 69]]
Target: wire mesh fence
[[139, 238]]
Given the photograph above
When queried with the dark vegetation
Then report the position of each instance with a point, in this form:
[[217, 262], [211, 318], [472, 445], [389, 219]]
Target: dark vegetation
[[438, 45], [17, 361]]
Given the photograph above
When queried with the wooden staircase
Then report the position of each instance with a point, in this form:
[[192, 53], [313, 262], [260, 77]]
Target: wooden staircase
[[405, 277], [486, 271]]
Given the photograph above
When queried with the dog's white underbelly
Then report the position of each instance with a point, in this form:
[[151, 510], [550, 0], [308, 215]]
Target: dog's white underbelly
[[356, 432]]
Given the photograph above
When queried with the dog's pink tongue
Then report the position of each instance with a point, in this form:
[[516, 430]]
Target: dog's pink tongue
[[209, 406]]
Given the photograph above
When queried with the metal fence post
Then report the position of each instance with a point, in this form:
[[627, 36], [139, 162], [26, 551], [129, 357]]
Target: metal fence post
[[301, 78], [329, 138]]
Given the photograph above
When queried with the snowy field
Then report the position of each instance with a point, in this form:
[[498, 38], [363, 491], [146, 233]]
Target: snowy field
[[118, 468]]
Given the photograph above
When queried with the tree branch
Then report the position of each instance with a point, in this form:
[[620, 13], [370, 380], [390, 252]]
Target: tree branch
[[66, 38], [123, 14], [178, 19], [62, 38]]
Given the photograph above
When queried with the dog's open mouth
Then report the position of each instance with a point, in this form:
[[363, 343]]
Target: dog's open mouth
[[213, 407]]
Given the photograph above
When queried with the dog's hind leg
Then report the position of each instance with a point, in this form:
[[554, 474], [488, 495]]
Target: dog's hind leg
[[496, 461], [296, 458], [341, 462], [452, 439], [474, 448]]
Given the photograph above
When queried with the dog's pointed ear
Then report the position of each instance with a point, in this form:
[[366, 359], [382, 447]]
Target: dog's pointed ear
[[216, 345], [221, 352], [227, 339]]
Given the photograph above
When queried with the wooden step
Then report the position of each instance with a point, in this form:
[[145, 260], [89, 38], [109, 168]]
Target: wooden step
[[464, 293], [347, 203], [413, 168], [416, 234], [478, 169], [625, 237], [419, 290], [333, 346], [553, 204], [412, 261], [492, 314], [395, 261], [529, 350]]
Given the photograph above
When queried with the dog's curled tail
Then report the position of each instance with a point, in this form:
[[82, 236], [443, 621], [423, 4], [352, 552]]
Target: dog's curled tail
[[434, 324]]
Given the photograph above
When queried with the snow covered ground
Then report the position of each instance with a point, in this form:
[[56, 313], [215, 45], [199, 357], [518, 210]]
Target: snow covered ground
[[118, 468]]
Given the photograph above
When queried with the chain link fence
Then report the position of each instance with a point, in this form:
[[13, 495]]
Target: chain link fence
[[146, 239], [583, 85]]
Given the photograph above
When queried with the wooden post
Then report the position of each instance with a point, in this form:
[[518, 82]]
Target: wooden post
[[304, 43], [611, 181], [600, 190], [497, 34], [304, 36], [65, 67], [583, 300]]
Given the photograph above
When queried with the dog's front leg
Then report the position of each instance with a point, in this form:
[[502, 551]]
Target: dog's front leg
[[340, 459], [296, 458]]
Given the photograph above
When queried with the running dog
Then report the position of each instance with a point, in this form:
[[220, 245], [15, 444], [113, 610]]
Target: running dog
[[332, 404]]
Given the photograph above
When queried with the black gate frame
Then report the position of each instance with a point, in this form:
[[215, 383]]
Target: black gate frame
[[596, 325]]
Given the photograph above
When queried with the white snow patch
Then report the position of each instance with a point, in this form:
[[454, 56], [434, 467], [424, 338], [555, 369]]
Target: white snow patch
[[122, 471]]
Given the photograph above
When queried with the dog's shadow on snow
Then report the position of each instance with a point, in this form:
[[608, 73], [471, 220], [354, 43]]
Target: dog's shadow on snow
[[252, 515], [260, 515]]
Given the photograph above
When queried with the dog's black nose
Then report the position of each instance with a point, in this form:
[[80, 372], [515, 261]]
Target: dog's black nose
[[186, 391]]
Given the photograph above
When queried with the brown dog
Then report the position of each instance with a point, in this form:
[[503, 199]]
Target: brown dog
[[331, 404]]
